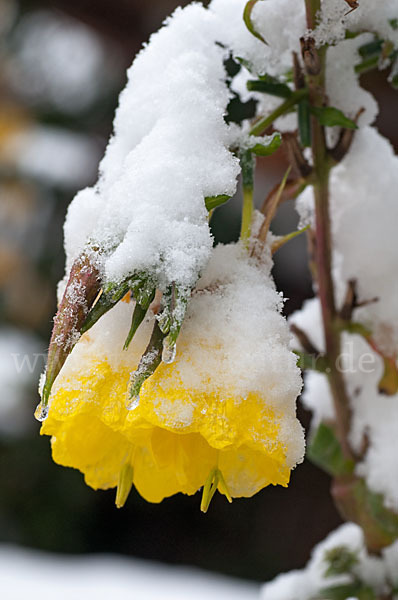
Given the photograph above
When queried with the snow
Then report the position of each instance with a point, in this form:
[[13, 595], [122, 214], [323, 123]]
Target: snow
[[223, 324], [269, 19], [57, 61], [53, 154], [364, 212], [342, 83], [169, 151], [369, 16], [37, 575], [305, 584], [374, 415]]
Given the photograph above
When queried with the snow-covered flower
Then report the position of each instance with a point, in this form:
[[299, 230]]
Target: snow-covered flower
[[222, 413]]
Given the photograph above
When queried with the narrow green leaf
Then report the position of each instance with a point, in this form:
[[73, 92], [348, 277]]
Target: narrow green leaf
[[245, 63], [332, 117], [367, 65], [247, 14], [304, 122], [260, 126], [213, 202], [325, 451], [269, 85], [267, 148]]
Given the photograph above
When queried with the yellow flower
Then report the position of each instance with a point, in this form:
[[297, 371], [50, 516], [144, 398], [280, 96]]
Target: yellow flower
[[196, 421]]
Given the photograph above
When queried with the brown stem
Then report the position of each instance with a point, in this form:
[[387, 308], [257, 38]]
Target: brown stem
[[316, 84]]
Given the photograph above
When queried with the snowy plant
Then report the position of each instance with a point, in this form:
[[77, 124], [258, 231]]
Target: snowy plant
[[171, 367]]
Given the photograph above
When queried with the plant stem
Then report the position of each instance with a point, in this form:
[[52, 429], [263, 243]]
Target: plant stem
[[247, 164], [247, 214], [259, 127], [316, 84]]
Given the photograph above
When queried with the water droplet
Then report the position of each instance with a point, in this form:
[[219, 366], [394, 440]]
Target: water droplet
[[169, 352], [133, 403], [41, 412]]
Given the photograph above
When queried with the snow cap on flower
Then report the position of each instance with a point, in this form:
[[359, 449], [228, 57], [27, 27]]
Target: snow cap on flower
[[169, 151], [226, 403]]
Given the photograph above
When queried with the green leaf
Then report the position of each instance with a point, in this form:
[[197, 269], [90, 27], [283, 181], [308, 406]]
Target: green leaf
[[247, 13], [393, 23], [350, 590], [267, 148], [393, 77], [367, 65], [245, 63], [325, 451], [213, 202], [371, 48], [374, 506], [332, 117], [304, 122], [341, 560], [269, 85]]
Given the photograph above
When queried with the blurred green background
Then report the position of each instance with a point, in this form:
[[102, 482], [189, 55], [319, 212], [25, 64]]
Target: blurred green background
[[62, 66]]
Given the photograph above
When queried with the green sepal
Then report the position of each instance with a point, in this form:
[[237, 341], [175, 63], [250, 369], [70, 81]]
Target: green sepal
[[304, 122], [325, 451], [268, 148], [247, 14], [140, 310], [329, 116], [213, 202], [149, 362], [175, 302], [269, 85], [110, 296]]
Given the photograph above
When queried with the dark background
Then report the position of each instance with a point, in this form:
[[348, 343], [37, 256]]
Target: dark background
[[49, 507]]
